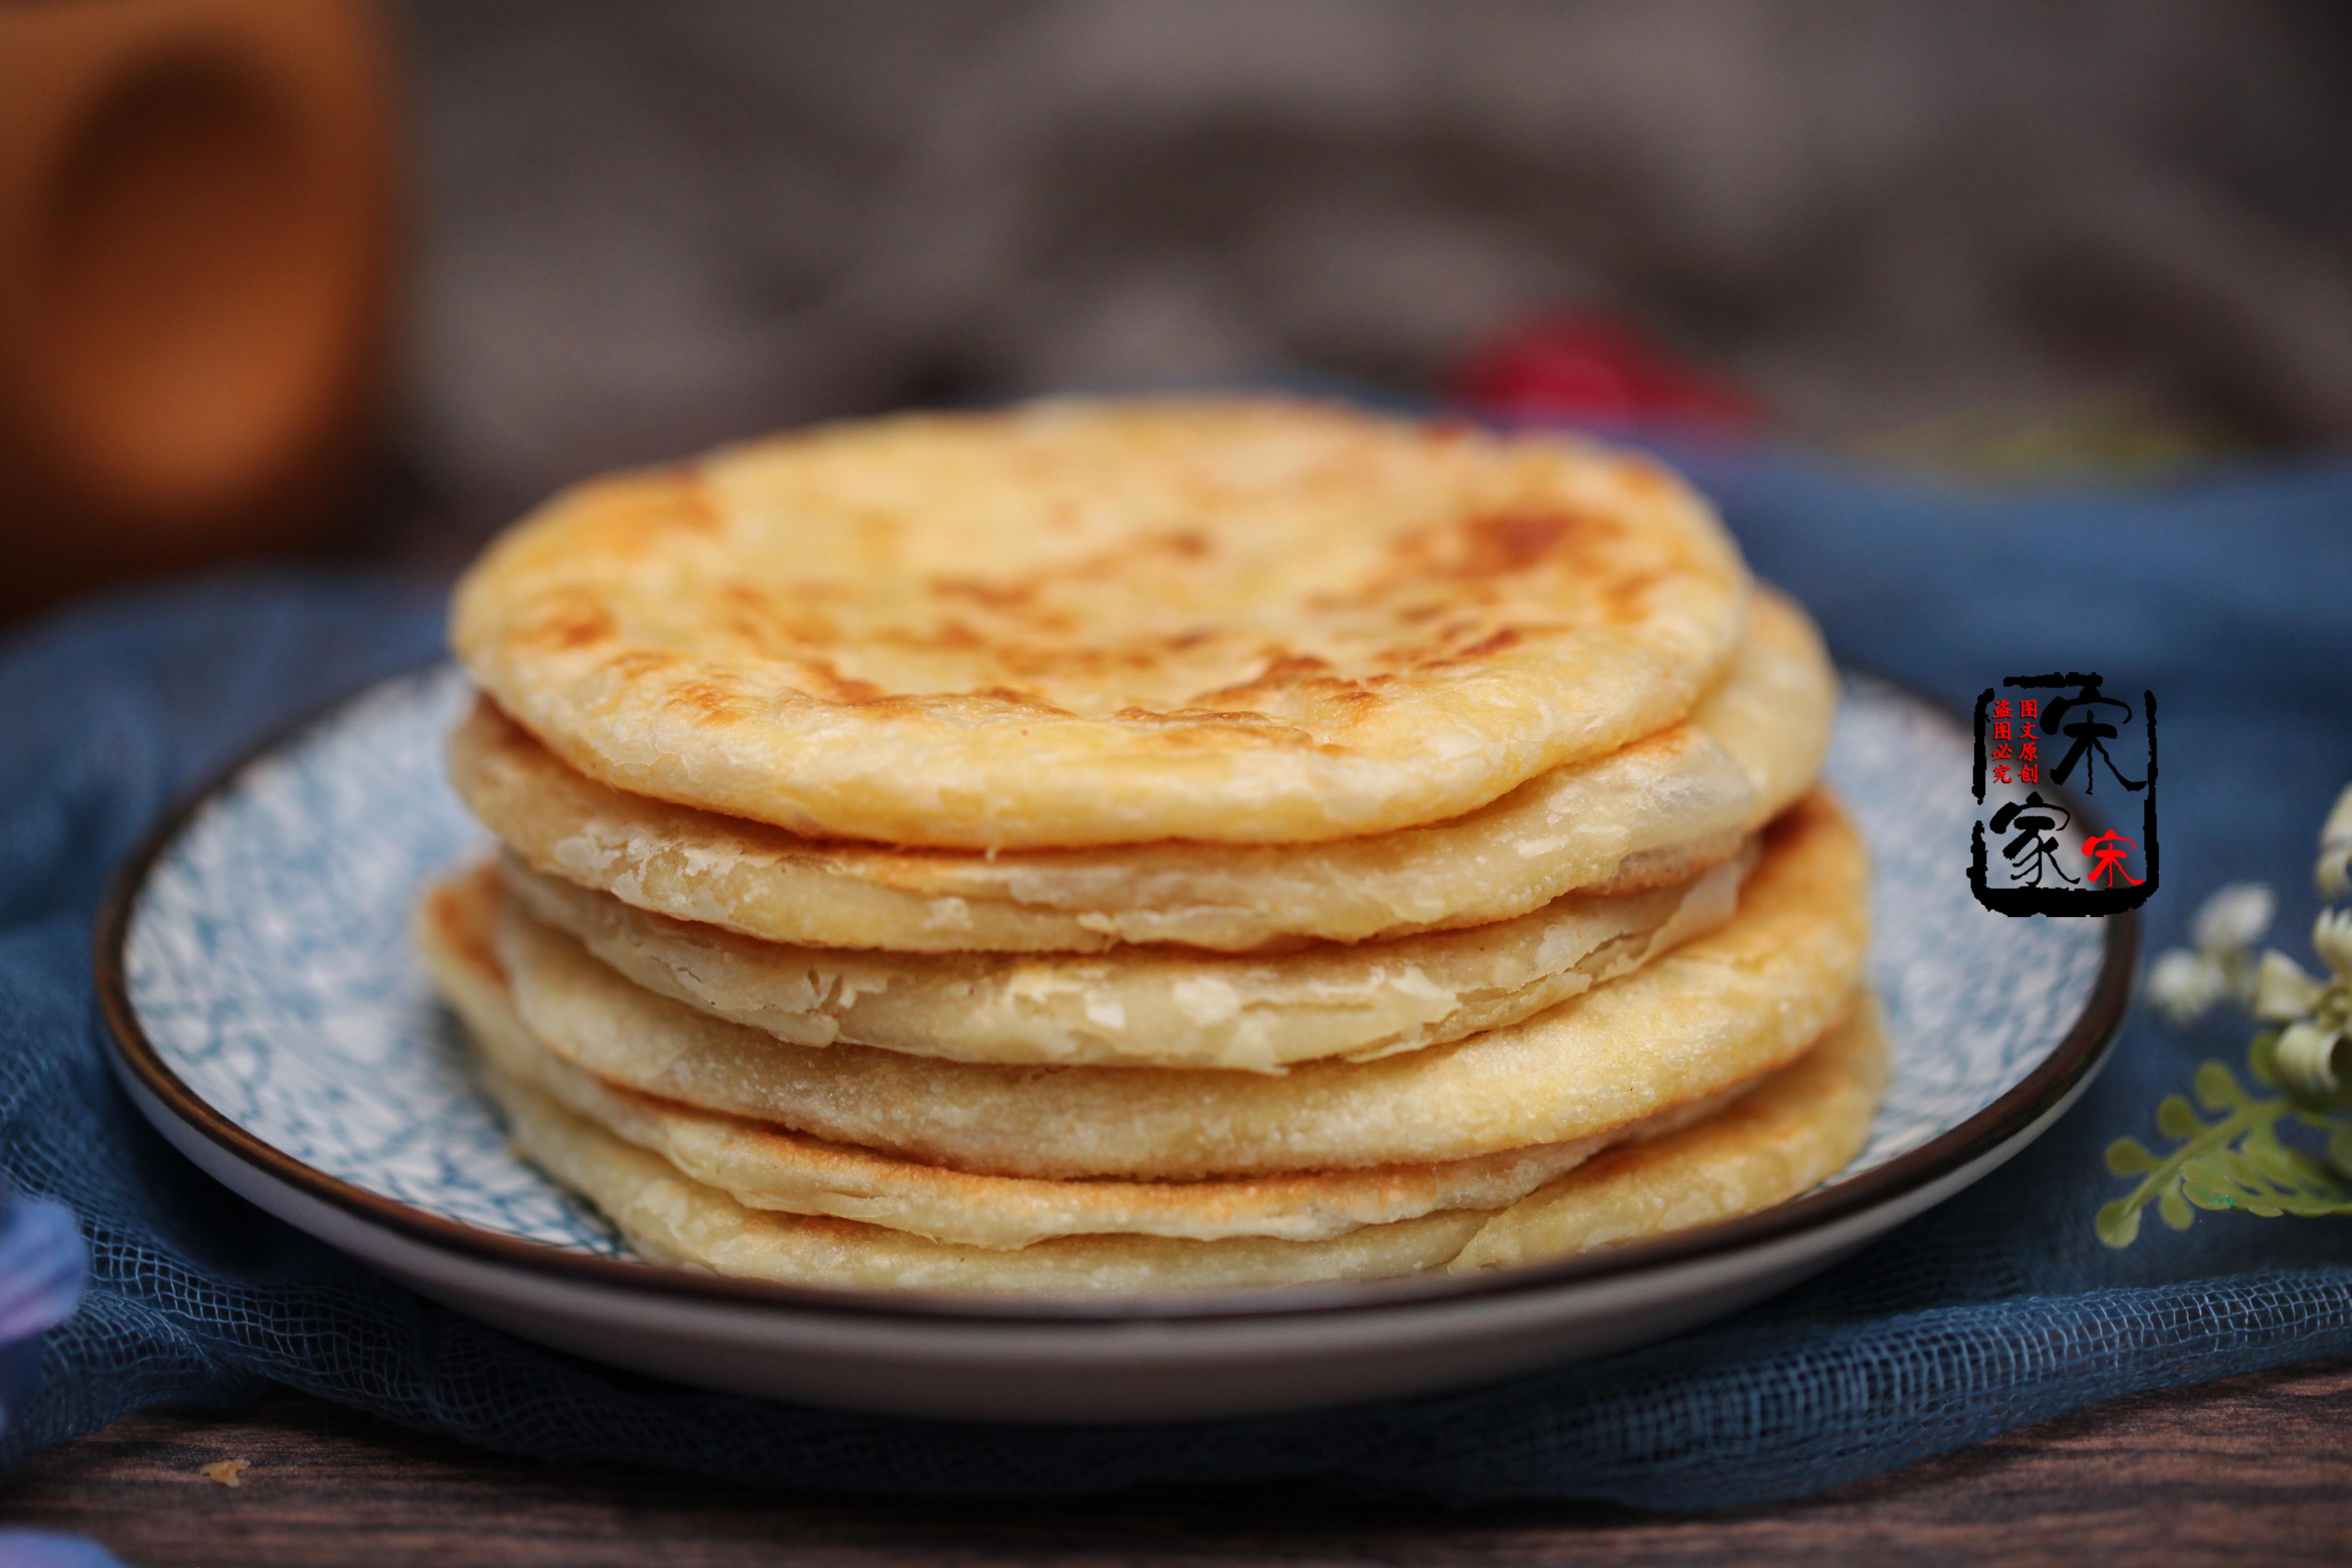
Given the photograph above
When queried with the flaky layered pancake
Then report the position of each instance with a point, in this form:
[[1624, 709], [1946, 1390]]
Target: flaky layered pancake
[[1646, 815], [1131, 847], [755, 1202], [770, 1167], [669, 1217], [1818, 1110], [1161, 1006], [1070, 625], [1791, 1132], [1740, 1000]]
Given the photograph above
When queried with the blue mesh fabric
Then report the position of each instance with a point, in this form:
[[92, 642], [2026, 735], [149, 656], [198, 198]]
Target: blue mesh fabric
[[2228, 596]]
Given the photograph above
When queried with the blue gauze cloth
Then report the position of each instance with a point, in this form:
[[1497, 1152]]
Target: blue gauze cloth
[[2230, 596]]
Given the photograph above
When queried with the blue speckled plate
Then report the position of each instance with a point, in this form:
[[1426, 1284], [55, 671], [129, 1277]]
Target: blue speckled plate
[[267, 1016]]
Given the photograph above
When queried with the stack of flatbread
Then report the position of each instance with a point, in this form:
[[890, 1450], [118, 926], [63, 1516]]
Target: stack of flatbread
[[1128, 847]]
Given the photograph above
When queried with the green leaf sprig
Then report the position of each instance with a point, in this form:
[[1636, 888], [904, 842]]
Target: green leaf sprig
[[2236, 1160]]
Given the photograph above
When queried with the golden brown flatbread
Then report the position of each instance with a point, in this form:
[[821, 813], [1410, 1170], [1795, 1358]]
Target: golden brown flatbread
[[1072, 624], [1738, 1001], [1146, 1006], [1647, 815], [1797, 1126], [766, 1167], [1794, 1130], [670, 1217]]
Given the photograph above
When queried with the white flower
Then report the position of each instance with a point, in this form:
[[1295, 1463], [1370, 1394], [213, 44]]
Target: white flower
[[2306, 1057], [2331, 938], [2235, 917], [2184, 986], [2283, 992], [2334, 873]]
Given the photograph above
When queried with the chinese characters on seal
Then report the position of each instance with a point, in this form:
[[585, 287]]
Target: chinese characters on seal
[[2033, 851]]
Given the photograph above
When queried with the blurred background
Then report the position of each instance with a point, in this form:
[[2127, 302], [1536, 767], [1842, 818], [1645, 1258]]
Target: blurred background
[[325, 274]]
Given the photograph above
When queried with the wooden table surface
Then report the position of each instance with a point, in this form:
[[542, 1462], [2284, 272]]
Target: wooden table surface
[[2252, 1469]]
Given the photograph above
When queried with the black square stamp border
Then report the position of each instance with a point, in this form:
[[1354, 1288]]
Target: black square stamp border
[[2063, 901]]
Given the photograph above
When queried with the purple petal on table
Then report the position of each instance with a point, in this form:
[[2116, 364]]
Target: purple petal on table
[[47, 1549], [42, 1264]]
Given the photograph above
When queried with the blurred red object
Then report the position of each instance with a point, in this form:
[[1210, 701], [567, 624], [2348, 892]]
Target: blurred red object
[[197, 216], [1595, 370]]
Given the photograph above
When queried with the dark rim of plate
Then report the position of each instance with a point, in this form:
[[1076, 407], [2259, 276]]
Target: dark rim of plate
[[2065, 1069]]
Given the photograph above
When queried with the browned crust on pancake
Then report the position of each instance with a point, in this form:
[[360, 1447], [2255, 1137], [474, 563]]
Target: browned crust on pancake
[[1296, 624]]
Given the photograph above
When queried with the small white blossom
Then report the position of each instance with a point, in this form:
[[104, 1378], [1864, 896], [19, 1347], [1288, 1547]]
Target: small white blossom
[[2234, 918], [2331, 938], [2306, 1057], [2183, 986], [2283, 992], [2334, 873]]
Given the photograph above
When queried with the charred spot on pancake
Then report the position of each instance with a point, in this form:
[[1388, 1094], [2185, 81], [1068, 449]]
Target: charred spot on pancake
[[458, 926], [1289, 679], [1025, 701], [636, 664], [1214, 725], [773, 625], [1284, 667], [1498, 544], [709, 702], [1039, 663], [1627, 600], [954, 633], [1509, 637], [1239, 697], [1459, 641], [1017, 605], [569, 621], [1010, 596], [819, 678], [1511, 541]]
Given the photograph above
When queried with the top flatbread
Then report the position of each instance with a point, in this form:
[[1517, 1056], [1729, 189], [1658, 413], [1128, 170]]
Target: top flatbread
[[1645, 815], [1241, 621]]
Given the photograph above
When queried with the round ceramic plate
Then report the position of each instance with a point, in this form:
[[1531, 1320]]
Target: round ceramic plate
[[266, 1015]]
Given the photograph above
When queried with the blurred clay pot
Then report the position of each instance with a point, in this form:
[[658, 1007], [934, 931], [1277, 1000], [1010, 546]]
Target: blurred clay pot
[[197, 231]]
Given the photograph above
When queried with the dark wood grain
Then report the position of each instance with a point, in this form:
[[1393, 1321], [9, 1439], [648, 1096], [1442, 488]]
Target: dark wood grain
[[2253, 1468]]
